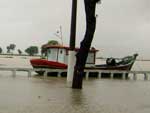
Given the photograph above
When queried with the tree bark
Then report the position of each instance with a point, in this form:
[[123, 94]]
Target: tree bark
[[85, 44]]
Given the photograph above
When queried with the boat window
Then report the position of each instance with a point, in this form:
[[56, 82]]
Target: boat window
[[61, 51], [49, 51]]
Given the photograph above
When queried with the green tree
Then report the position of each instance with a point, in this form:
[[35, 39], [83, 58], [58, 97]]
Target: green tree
[[1, 50], [53, 42], [8, 49], [12, 46], [32, 50], [19, 51], [49, 43]]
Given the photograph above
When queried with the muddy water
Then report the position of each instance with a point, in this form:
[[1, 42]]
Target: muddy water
[[37, 95]]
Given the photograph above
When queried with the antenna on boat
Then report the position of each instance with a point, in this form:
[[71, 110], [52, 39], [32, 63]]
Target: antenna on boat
[[59, 34]]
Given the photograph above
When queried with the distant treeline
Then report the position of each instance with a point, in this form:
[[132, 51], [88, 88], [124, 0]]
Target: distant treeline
[[30, 51], [18, 54]]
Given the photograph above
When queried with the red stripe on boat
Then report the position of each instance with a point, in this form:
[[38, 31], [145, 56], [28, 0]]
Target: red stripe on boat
[[46, 63]]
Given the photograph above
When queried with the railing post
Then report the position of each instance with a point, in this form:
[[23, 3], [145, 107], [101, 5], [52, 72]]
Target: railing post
[[111, 75], [29, 73], [87, 75], [45, 74], [134, 76], [59, 74], [124, 75], [14, 73], [127, 75], [99, 74]]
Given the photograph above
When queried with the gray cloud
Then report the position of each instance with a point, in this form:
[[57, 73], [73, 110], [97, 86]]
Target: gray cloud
[[122, 25]]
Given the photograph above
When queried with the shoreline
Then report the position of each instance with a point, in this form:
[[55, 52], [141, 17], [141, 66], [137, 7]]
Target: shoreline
[[25, 55], [19, 55]]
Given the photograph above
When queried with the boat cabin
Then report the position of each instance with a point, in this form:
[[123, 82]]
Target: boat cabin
[[60, 54]]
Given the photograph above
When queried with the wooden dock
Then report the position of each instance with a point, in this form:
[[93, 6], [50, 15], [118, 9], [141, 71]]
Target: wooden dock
[[134, 74]]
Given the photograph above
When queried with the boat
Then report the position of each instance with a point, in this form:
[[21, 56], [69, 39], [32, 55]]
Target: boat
[[121, 64], [56, 57]]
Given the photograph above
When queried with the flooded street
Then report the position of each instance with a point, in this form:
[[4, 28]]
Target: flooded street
[[36, 95], [52, 95]]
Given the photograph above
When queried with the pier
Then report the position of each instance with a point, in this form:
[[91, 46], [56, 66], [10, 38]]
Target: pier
[[133, 74]]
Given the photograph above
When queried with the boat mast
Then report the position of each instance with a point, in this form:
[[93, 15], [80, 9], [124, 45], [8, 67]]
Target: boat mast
[[60, 35]]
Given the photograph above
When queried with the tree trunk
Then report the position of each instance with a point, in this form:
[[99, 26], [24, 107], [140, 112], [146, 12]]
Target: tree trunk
[[85, 45]]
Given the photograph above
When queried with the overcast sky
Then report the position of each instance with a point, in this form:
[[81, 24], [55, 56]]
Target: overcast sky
[[122, 25]]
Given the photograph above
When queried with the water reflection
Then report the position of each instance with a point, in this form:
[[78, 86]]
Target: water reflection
[[77, 97]]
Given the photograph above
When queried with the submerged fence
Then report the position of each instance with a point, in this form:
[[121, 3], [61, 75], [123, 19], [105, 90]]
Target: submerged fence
[[111, 73]]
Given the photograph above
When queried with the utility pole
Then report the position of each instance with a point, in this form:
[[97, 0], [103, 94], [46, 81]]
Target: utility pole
[[71, 59]]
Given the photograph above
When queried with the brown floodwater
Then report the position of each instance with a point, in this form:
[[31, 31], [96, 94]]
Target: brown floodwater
[[37, 95], [52, 95]]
